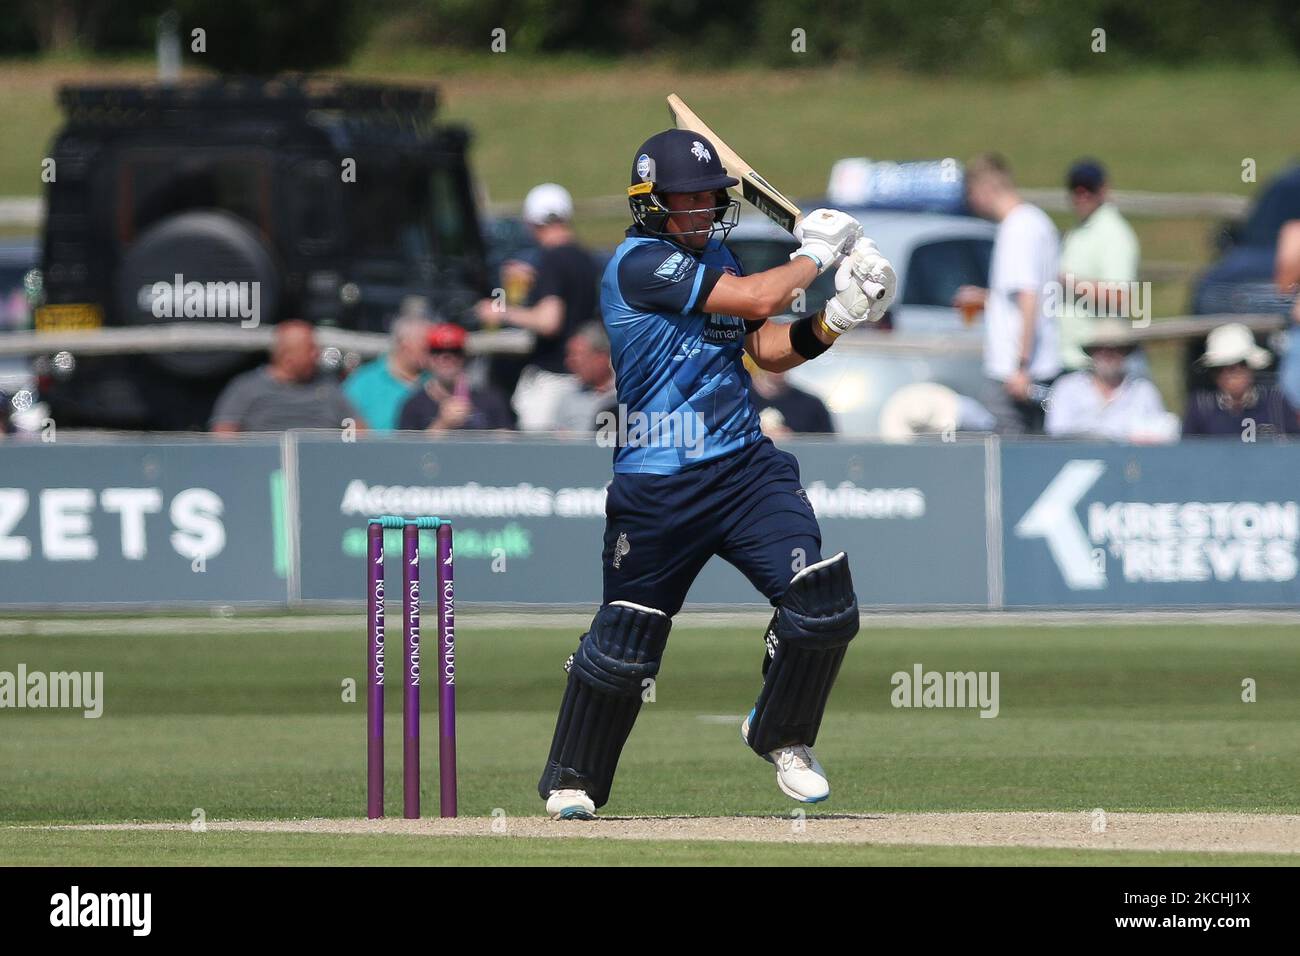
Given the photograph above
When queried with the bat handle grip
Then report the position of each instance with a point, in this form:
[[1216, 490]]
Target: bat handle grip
[[873, 290]]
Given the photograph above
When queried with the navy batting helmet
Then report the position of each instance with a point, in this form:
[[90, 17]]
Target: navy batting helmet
[[679, 161]]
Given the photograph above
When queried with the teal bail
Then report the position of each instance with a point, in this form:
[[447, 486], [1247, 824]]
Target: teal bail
[[397, 521]]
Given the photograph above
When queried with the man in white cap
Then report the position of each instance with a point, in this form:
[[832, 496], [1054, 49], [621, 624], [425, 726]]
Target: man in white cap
[[1238, 407], [1106, 401], [562, 300]]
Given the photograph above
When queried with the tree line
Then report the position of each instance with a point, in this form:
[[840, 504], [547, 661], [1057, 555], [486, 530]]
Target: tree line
[[1000, 37]]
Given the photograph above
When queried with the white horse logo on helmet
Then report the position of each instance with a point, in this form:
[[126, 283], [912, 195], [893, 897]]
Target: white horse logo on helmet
[[701, 152]]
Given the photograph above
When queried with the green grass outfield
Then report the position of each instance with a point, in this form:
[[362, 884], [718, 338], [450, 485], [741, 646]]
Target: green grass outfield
[[71, 848], [577, 121], [254, 726]]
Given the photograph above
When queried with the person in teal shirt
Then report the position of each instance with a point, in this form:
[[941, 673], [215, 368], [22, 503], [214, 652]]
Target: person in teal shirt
[[381, 387]]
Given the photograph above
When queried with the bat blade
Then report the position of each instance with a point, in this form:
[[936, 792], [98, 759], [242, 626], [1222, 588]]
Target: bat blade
[[756, 190], [785, 215]]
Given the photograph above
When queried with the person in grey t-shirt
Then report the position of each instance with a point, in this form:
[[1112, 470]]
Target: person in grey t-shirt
[[587, 357], [286, 393]]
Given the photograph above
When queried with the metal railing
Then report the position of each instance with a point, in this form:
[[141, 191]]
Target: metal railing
[[208, 337], [1178, 328]]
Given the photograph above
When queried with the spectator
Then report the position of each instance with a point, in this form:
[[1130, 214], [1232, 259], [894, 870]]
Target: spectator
[[587, 357], [288, 392], [562, 300], [785, 410], [1106, 401], [1021, 356], [1237, 406], [381, 387], [1287, 278], [1099, 260], [446, 402]]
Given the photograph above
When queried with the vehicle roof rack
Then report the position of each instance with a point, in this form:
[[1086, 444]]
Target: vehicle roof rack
[[127, 104]]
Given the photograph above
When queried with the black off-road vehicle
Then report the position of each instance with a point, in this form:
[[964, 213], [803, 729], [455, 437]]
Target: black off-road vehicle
[[332, 200]]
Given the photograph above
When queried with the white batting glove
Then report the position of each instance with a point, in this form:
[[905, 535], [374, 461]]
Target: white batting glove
[[875, 275], [865, 286], [825, 236]]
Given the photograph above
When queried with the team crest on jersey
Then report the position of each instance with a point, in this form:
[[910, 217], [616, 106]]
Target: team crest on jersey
[[721, 329], [701, 152], [675, 267]]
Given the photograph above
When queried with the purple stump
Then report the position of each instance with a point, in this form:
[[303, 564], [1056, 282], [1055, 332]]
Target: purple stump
[[375, 672], [446, 673], [411, 671]]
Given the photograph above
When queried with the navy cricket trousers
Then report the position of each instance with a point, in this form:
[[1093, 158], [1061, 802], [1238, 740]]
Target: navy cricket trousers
[[748, 507]]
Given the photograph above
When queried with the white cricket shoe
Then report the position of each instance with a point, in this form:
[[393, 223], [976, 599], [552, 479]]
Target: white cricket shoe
[[570, 805], [798, 773]]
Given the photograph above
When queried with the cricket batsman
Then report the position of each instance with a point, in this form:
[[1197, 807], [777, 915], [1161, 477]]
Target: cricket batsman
[[701, 479]]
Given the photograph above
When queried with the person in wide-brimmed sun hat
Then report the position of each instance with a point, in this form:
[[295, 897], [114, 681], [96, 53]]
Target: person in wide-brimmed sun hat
[[1106, 400], [1238, 406]]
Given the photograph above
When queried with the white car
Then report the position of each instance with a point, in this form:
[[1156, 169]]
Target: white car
[[933, 254], [923, 339]]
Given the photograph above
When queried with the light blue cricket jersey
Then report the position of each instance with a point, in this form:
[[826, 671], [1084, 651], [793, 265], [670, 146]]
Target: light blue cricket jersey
[[683, 390]]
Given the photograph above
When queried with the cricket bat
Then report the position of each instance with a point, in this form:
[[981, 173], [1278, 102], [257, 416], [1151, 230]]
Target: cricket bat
[[755, 190]]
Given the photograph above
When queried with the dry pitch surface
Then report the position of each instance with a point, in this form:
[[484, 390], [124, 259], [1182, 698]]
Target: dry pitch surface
[[1186, 832]]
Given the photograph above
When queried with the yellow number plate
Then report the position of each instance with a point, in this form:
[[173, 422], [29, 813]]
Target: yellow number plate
[[68, 318]]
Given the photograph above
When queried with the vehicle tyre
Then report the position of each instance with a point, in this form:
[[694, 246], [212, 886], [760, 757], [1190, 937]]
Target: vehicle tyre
[[205, 246]]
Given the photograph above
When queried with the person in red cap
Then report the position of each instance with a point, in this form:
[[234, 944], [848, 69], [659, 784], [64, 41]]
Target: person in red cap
[[447, 402]]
